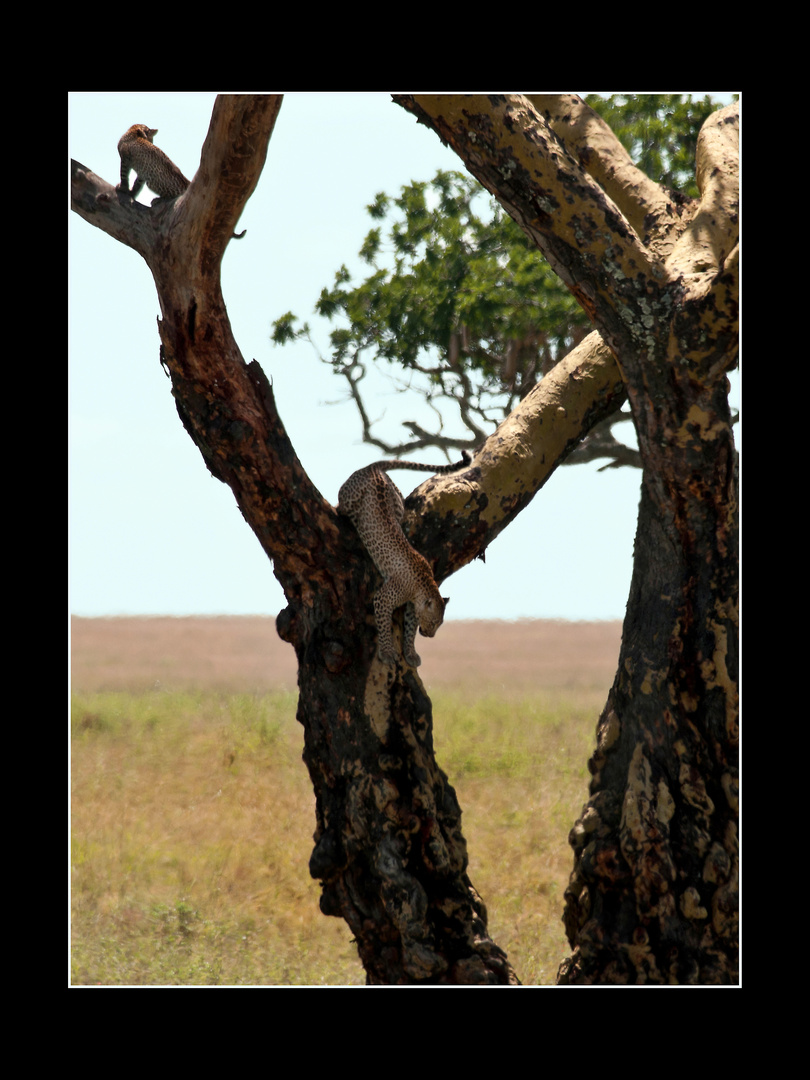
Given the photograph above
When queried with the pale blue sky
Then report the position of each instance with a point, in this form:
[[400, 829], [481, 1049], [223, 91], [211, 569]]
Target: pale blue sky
[[151, 532]]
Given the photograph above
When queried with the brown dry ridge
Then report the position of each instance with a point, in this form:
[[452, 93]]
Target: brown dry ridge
[[244, 653]]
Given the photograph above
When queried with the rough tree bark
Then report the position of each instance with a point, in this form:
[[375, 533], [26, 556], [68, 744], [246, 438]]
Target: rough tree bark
[[388, 845], [653, 892]]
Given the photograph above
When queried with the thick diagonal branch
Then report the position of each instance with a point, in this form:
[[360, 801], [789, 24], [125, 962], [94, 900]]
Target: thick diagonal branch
[[648, 207], [587, 240], [464, 511], [226, 405]]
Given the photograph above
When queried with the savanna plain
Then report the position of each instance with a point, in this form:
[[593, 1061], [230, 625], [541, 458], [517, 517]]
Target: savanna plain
[[192, 813]]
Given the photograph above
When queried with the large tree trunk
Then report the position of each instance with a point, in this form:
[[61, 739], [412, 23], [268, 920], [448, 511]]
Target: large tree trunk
[[653, 893]]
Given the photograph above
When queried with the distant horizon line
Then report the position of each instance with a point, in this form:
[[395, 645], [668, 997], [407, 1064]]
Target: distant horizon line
[[257, 615]]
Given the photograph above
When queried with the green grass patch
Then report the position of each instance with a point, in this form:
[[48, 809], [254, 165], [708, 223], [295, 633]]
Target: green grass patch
[[192, 820]]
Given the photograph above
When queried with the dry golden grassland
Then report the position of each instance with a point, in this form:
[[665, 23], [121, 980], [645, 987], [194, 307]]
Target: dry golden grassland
[[192, 813]]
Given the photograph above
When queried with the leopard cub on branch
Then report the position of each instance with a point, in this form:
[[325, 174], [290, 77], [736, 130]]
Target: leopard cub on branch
[[152, 167], [373, 503]]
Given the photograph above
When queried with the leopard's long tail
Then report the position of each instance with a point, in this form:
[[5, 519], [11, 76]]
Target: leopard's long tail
[[438, 470]]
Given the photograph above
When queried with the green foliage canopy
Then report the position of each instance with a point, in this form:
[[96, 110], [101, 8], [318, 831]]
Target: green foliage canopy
[[457, 293]]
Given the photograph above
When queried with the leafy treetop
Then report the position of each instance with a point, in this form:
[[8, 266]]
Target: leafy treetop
[[459, 298]]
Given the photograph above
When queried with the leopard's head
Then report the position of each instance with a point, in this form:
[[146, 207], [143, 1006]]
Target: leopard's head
[[430, 613]]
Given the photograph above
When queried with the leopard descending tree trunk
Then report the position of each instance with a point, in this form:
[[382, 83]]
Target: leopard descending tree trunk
[[389, 850], [374, 504]]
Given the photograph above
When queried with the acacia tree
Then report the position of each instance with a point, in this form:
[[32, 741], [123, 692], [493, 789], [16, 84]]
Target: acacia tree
[[652, 893]]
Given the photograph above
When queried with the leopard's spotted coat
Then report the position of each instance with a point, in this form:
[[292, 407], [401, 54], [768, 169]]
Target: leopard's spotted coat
[[152, 167], [374, 504]]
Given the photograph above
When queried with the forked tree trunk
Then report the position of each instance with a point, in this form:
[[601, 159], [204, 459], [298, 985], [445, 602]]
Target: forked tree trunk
[[388, 845]]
